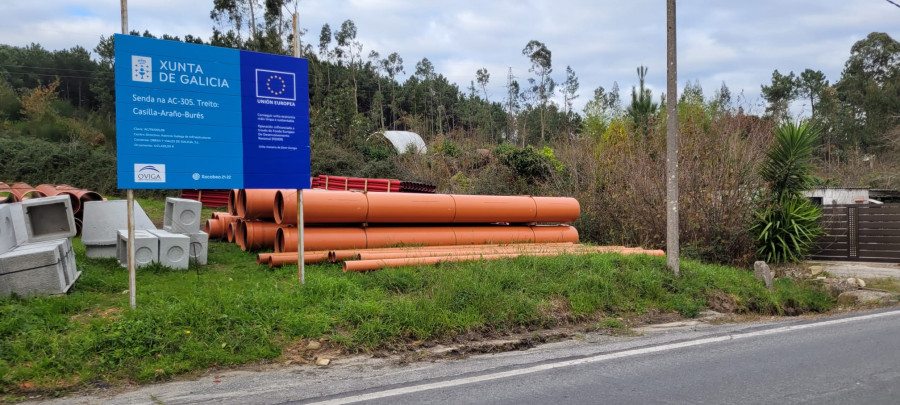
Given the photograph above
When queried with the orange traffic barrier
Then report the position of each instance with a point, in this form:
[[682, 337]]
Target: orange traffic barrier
[[23, 191], [320, 239], [257, 234], [321, 207]]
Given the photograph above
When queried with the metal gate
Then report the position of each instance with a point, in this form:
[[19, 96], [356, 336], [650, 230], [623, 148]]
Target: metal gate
[[860, 232]]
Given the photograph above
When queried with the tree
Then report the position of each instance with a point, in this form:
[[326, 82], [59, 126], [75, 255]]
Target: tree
[[869, 90], [787, 222], [569, 91], [642, 105], [392, 66], [349, 50], [483, 78], [541, 65], [779, 94], [811, 84]]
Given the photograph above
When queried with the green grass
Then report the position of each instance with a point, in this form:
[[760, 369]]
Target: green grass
[[233, 311]]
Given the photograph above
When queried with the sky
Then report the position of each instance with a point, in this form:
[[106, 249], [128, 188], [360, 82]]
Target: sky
[[731, 42]]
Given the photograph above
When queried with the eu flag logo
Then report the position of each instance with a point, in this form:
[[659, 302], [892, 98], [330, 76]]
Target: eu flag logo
[[276, 85]]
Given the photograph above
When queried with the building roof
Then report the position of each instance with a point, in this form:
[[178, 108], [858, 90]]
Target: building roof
[[403, 139]]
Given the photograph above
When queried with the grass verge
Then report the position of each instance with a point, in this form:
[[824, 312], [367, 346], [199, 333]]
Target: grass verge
[[233, 311]]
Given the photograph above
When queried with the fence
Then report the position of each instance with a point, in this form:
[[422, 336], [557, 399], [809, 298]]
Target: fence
[[860, 232]]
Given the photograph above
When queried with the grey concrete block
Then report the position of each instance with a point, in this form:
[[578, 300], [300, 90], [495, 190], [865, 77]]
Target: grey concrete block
[[48, 218], [37, 269], [45, 280], [18, 221], [66, 256], [146, 248], [7, 230], [182, 216], [199, 247], [173, 249], [29, 256], [101, 251], [103, 220]]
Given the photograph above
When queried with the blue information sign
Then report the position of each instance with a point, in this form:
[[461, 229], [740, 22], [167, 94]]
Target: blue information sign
[[202, 117]]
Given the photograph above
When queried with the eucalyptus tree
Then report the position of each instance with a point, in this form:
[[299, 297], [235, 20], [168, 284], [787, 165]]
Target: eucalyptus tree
[[542, 66], [392, 66], [569, 91]]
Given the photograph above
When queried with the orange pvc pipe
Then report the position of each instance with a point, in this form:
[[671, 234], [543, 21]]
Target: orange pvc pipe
[[280, 259], [340, 255], [81, 195], [230, 231], [50, 190], [215, 228], [258, 234], [238, 231], [232, 201], [555, 233], [6, 195], [366, 265], [322, 207], [480, 235], [320, 239], [409, 235], [556, 209], [493, 208], [405, 208], [256, 203], [23, 191]]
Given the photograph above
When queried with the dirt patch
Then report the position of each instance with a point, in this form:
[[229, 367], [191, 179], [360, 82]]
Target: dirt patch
[[721, 301], [109, 314]]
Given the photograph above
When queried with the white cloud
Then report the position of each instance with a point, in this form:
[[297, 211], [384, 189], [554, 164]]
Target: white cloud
[[736, 42]]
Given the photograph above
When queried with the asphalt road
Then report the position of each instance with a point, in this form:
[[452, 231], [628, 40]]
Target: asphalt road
[[848, 359]]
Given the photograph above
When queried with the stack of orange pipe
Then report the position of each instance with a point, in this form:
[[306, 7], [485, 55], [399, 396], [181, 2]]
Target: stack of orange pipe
[[374, 259], [355, 220]]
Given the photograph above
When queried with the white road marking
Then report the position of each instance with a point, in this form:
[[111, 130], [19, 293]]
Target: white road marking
[[594, 359]]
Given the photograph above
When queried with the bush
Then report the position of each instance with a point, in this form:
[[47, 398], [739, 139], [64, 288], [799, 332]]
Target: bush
[[36, 161], [786, 223]]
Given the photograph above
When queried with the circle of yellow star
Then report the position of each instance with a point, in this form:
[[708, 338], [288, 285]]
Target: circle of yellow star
[[280, 82]]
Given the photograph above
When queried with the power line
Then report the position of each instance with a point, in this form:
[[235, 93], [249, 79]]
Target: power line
[[891, 1]]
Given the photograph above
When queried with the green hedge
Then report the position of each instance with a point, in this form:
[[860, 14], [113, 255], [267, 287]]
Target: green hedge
[[36, 161]]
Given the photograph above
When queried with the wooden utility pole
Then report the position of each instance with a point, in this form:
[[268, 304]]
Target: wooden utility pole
[[129, 196], [672, 234]]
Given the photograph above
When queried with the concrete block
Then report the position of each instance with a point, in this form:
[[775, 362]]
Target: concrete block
[[173, 249], [7, 230], [146, 248], [44, 280], [66, 256], [101, 251], [48, 218], [182, 216], [18, 221], [103, 220], [199, 247], [35, 269]]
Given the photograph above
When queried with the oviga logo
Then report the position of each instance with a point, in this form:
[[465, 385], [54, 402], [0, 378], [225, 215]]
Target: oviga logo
[[149, 173]]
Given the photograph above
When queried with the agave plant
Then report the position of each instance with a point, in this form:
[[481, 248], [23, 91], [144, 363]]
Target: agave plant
[[786, 224]]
